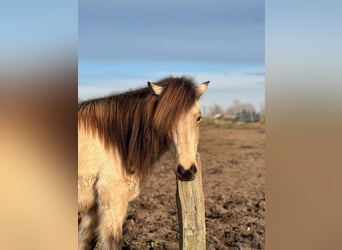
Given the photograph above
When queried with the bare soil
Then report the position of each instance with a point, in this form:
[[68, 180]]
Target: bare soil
[[233, 169]]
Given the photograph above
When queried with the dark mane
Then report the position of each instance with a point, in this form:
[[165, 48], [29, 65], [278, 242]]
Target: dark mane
[[138, 123]]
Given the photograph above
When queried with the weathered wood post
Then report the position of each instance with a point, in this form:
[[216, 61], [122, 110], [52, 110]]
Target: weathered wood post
[[191, 211]]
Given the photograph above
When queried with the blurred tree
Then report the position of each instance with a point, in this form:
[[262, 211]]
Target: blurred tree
[[216, 109], [262, 112], [239, 107]]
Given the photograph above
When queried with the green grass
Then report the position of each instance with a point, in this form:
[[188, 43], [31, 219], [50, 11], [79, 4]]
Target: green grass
[[153, 244], [207, 122]]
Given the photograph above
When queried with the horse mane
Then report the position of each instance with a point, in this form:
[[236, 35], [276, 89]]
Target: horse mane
[[138, 123]]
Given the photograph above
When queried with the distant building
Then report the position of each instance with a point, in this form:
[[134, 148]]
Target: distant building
[[218, 116], [229, 117], [247, 116], [243, 116]]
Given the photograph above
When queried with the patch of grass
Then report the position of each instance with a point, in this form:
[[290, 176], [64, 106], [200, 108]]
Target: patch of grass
[[216, 123], [153, 244], [127, 245], [208, 122], [252, 220]]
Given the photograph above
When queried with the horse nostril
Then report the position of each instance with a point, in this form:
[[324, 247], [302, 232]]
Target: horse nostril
[[193, 168], [186, 175]]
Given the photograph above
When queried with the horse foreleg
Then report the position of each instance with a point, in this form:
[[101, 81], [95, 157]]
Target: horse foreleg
[[86, 230], [112, 206]]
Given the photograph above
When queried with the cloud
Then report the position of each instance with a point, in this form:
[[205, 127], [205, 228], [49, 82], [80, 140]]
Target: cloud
[[105, 87], [215, 31], [224, 88], [222, 81], [255, 73]]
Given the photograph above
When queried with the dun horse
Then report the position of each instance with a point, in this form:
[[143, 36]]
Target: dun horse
[[119, 139]]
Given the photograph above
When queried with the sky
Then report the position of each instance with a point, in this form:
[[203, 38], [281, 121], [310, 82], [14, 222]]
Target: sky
[[36, 32], [124, 44]]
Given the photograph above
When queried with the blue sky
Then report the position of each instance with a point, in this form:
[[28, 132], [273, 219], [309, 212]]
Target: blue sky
[[36, 32], [124, 44]]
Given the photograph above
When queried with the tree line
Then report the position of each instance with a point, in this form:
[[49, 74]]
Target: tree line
[[238, 111]]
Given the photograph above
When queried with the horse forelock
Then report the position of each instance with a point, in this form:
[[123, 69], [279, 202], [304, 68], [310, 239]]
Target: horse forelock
[[137, 123]]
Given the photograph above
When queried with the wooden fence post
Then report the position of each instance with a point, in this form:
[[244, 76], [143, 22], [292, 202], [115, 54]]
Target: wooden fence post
[[191, 211]]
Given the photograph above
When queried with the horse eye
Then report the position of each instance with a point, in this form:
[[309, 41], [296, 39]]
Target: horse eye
[[199, 119]]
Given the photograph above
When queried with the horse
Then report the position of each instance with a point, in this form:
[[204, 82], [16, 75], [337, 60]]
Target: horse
[[120, 137]]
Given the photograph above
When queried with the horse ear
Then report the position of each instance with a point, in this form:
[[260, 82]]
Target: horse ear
[[156, 89], [202, 88]]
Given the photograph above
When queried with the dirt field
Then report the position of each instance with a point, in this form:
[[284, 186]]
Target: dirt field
[[233, 167]]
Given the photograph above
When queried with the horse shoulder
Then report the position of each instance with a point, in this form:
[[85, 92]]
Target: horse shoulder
[[95, 163]]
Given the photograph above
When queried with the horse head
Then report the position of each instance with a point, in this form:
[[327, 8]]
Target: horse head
[[185, 134]]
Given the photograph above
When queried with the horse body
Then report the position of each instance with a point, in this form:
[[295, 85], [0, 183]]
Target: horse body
[[110, 173], [104, 192]]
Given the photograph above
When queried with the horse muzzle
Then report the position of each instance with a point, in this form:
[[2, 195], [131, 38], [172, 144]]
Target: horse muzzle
[[186, 175]]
